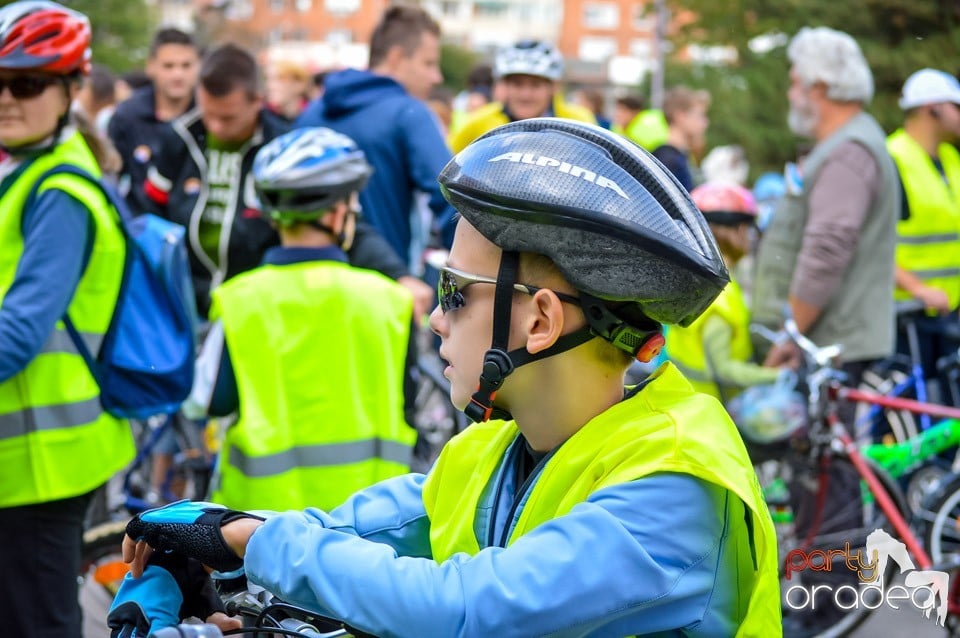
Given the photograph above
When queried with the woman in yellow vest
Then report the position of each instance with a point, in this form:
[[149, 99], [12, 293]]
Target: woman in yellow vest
[[61, 253], [573, 506], [715, 352], [311, 352]]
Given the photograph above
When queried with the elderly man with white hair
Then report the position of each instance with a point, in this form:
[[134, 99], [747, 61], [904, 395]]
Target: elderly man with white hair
[[827, 255]]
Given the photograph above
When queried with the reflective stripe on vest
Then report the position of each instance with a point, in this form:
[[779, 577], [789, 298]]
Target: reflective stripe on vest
[[686, 349], [60, 341], [928, 242], [660, 429], [318, 456], [55, 441], [50, 417], [321, 392]]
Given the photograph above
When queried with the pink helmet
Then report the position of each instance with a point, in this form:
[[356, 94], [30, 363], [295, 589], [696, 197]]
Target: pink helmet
[[44, 36], [725, 203]]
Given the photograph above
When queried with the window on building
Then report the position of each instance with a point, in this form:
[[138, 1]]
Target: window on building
[[641, 48], [597, 49], [450, 8], [303, 5], [601, 15], [275, 35], [341, 6], [277, 5], [644, 16], [339, 36], [239, 10], [490, 8]]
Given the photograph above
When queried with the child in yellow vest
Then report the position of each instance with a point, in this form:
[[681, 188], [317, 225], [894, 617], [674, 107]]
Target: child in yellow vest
[[573, 506], [715, 351]]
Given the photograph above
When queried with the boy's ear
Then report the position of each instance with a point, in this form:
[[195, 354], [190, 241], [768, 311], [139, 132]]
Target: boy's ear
[[545, 322]]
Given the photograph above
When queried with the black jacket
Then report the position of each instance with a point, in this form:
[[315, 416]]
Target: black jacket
[[136, 133], [176, 187]]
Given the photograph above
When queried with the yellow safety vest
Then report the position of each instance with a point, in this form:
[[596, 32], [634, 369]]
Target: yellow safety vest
[[685, 345], [928, 243], [648, 129], [319, 350], [490, 116], [666, 427], [55, 440]]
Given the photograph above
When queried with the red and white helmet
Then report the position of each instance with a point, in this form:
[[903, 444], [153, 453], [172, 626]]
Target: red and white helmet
[[725, 203], [39, 35]]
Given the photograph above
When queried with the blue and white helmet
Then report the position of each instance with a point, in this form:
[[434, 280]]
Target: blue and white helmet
[[529, 57], [301, 174]]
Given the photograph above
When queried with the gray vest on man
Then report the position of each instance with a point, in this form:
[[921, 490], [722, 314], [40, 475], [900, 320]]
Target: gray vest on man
[[860, 316]]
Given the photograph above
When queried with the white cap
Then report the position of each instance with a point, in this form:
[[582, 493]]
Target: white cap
[[929, 86]]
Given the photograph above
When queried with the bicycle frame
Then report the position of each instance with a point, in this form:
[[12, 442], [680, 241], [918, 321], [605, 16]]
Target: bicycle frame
[[836, 392]]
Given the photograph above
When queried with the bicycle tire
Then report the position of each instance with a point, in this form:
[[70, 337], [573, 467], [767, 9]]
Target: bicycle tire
[[436, 419], [942, 534], [101, 570], [872, 518], [883, 380]]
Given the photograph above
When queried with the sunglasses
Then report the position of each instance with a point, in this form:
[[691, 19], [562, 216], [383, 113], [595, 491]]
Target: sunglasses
[[452, 283], [24, 87]]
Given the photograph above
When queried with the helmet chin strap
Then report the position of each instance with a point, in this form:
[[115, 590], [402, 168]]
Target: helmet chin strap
[[498, 362]]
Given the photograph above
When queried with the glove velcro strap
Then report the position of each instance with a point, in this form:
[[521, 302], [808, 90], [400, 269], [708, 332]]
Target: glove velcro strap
[[190, 529]]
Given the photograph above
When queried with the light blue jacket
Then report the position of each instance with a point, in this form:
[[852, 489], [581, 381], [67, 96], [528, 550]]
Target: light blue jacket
[[677, 543]]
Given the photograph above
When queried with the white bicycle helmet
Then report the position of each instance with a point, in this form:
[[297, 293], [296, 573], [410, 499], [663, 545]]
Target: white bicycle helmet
[[529, 57], [301, 174]]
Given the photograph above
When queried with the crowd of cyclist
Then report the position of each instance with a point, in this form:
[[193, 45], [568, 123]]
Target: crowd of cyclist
[[307, 213]]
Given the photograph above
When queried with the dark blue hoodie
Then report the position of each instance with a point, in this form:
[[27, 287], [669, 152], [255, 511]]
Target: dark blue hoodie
[[401, 140]]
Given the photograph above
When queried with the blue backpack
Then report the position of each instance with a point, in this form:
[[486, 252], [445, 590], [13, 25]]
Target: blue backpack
[[145, 363]]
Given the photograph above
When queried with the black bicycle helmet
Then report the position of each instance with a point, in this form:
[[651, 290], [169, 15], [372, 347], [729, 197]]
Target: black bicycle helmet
[[301, 174], [617, 224]]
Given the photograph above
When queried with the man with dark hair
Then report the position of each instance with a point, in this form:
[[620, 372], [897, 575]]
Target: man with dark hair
[[201, 177], [381, 109], [137, 124]]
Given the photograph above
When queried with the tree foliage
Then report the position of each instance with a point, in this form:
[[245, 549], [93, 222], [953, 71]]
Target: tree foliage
[[455, 65], [121, 31], [749, 96]]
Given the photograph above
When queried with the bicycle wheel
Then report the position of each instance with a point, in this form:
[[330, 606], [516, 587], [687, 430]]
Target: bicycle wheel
[[435, 418], [884, 379], [943, 528], [840, 521], [101, 570]]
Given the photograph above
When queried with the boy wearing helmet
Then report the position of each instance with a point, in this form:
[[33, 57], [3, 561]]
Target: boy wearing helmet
[[574, 506], [320, 336], [715, 351], [528, 73]]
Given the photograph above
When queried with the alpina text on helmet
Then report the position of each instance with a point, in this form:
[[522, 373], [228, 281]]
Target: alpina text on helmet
[[563, 167]]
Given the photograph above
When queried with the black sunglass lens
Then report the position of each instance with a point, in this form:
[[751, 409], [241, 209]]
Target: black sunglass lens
[[448, 293], [26, 86]]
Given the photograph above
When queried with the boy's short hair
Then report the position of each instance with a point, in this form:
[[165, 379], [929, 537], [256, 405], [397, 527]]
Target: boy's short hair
[[169, 35], [402, 26], [632, 102], [227, 68], [682, 99]]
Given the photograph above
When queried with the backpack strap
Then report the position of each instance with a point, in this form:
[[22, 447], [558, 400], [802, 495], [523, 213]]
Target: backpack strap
[[123, 216]]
